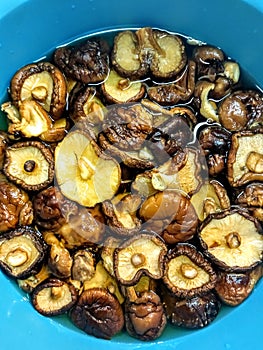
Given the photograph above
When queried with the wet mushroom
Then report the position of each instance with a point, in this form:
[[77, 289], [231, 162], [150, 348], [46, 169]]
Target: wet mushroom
[[171, 215], [86, 63], [187, 273], [98, 313], [180, 90], [29, 164], [159, 52], [212, 197], [4, 141], [121, 216], [85, 106], [191, 313], [84, 265], [117, 89], [251, 197], [233, 288], [144, 315], [21, 252], [240, 109], [84, 174], [245, 158], [140, 255], [54, 297], [207, 107], [15, 207], [209, 61], [59, 259], [41, 82], [232, 240]]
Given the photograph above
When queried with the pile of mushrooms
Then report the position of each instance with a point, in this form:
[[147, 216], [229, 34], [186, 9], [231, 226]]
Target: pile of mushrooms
[[131, 184]]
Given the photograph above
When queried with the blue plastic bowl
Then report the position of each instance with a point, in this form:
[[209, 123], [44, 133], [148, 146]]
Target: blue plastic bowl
[[28, 31]]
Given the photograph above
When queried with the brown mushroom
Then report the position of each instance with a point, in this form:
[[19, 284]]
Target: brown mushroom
[[41, 82], [159, 52], [52, 209], [29, 164], [140, 255], [56, 132], [203, 101], [117, 89], [29, 284], [171, 215], [233, 288], [245, 158], [98, 313], [85, 105], [84, 265], [21, 252], [54, 297], [59, 258], [144, 315], [180, 90], [240, 109], [86, 62], [15, 207], [121, 216], [191, 313], [30, 120], [4, 141], [85, 227], [212, 197], [232, 239], [187, 273], [209, 61], [84, 174]]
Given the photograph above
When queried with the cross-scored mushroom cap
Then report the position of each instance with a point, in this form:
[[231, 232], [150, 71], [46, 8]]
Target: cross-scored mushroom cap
[[54, 297], [232, 240], [187, 273], [21, 252], [83, 173], [245, 158], [29, 164], [43, 83], [141, 255]]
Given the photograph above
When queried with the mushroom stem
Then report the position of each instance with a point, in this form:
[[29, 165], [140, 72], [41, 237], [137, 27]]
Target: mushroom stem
[[39, 93], [254, 162], [188, 271], [56, 292], [131, 293], [233, 240], [86, 168], [137, 259], [17, 257]]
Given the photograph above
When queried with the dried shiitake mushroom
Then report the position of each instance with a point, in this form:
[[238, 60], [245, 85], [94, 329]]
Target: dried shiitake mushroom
[[135, 54], [191, 313], [209, 61], [234, 287], [121, 216], [207, 107], [240, 109], [84, 265], [21, 252], [59, 259], [54, 297], [29, 164], [187, 273], [4, 141], [212, 197], [41, 82], [87, 62], [117, 89], [171, 215], [144, 315], [232, 239], [29, 284], [140, 255], [85, 105], [98, 313], [15, 207], [251, 197], [245, 158], [180, 90], [85, 174]]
